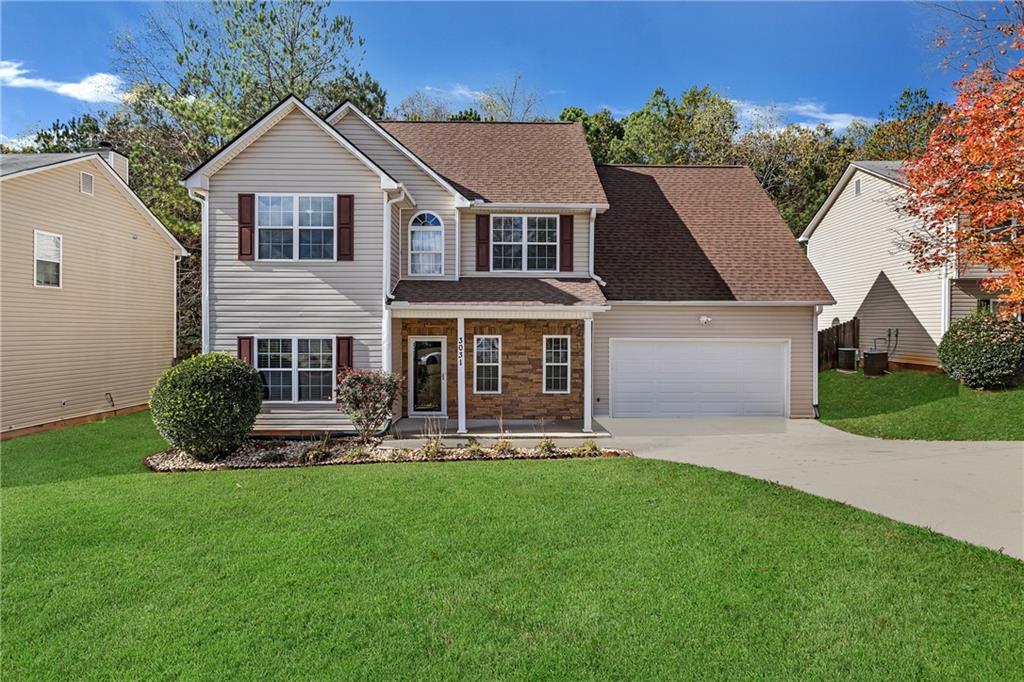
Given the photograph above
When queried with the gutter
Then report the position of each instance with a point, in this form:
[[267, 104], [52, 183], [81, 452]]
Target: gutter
[[201, 197], [593, 275]]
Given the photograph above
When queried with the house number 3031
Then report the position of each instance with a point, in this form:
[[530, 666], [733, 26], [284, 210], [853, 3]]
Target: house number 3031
[[460, 350]]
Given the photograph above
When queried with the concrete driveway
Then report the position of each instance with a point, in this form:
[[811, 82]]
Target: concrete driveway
[[973, 491]]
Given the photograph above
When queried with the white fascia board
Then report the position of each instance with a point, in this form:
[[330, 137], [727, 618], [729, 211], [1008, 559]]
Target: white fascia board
[[723, 303], [347, 107], [97, 160], [200, 180], [511, 206]]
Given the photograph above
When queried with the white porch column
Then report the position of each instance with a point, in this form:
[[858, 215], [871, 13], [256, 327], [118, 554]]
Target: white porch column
[[385, 339], [588, 375], [460, 355]]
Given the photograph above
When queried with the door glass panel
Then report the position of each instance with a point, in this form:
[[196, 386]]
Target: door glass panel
[[428, 373]]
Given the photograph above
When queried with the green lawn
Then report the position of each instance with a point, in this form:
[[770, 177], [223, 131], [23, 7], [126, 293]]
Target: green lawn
[[607, 568], [919, 405]]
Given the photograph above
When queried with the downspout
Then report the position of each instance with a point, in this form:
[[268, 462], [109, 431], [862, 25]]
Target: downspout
[[593, 275], [458, 244], [198, 195], [814, 359], [385, 332], [174, 343]]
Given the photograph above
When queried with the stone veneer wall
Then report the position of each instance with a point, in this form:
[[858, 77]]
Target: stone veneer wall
[[522, 368]]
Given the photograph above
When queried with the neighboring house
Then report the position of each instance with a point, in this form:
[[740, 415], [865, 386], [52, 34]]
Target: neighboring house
[[88, 290], [500, 272], [855, 243]]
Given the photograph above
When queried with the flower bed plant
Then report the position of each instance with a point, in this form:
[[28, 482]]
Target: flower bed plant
[[276, 454]]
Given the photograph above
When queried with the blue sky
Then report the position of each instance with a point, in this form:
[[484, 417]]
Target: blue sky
[[812, 61]]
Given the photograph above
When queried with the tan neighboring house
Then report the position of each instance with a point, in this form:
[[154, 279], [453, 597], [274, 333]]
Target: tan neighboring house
[[854, 242], [501, 272], [87, 290]]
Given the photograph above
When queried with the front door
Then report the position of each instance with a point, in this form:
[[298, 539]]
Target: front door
[[427, 394]]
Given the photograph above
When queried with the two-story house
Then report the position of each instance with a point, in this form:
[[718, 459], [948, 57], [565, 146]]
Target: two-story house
[[501, 272], [856, 243]]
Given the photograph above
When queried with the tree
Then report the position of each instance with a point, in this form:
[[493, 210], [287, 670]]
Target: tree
[[968, 186], [511, 101], [420, 106], [470, 114], [902, 131], [600, 129], [71, 136]]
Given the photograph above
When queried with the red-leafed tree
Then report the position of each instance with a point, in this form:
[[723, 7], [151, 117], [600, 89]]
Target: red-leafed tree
[[967, 188]]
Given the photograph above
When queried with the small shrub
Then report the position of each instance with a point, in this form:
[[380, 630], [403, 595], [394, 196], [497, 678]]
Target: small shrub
[[984, 351], [474, 449], [367, 397], [273, 456], [503, 446], [358, 452], [207, 405], [587, 447], [432, 449], [547, 447]]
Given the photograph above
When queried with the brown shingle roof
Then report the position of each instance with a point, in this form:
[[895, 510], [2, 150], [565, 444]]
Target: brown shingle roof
[[697, 233], [506, 162], [501, 291]]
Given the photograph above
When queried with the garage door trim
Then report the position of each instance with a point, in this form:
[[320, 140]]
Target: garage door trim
[[787, 369]]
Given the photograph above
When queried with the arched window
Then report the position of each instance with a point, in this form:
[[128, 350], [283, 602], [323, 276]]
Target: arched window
[[426, 244]]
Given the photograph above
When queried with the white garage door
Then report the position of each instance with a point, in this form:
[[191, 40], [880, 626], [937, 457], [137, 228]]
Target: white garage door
[[689, 377]]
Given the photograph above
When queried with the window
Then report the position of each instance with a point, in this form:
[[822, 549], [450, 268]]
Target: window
[[992, 305], [426, 245], [486, 364], [48, 253], [534, 248], [85, 183], [556, 364], [296, 369], [286, 220]]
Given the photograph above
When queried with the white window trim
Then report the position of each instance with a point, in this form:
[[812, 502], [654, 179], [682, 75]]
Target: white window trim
[[92, 183], [426, 228], [568, 363], [993, 307], [487, 364], [36, 259], [295, 227], [295, 366], [525, 243]]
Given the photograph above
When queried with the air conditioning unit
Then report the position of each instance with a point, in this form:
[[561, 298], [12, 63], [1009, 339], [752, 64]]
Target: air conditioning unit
[[847, 360]]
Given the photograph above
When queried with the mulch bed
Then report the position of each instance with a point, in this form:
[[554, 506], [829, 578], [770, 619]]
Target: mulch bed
[[279, 454]]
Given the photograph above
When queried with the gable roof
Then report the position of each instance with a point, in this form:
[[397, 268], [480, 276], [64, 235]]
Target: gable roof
[[697, 233], [199, 178], [543, 164], [890, 171], [18, 165]]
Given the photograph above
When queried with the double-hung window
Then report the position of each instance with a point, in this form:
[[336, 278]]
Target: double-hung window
[[295, 226], [524, 243], [426, 245], [556, 364], [48, 254], [487, 364], [296, 369]]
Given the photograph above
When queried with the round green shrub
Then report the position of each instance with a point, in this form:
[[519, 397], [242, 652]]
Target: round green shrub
[[984, 351], [207, 405]]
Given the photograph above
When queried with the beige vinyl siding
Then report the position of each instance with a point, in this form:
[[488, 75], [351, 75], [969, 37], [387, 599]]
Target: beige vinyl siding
[[734, 322], [396, 240], [963, 298], [429, 195], [855, 250], [297, 298], [580, 245], [109, 329]]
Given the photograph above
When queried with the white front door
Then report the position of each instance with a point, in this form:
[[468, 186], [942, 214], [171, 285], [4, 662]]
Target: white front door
[[698, 377], [427, 376]]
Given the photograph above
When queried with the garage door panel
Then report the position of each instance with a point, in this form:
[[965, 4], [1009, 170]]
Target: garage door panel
[[684, 377]]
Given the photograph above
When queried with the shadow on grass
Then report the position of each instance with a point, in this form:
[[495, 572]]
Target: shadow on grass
[[111, 447], [851, 396]]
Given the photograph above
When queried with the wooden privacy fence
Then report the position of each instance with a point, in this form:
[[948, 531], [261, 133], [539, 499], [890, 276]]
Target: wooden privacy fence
[[845, 335]]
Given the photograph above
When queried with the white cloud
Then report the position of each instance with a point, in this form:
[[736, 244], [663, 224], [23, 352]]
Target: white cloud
[[16, 142], [618, 112], [458, 92], [807, 113], [96, 88]]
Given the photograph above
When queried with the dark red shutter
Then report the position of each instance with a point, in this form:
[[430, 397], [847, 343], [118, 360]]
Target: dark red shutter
[[343, 353], [346, 227], [246, 226], [483, 243], [565, 243], [245, 349]]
